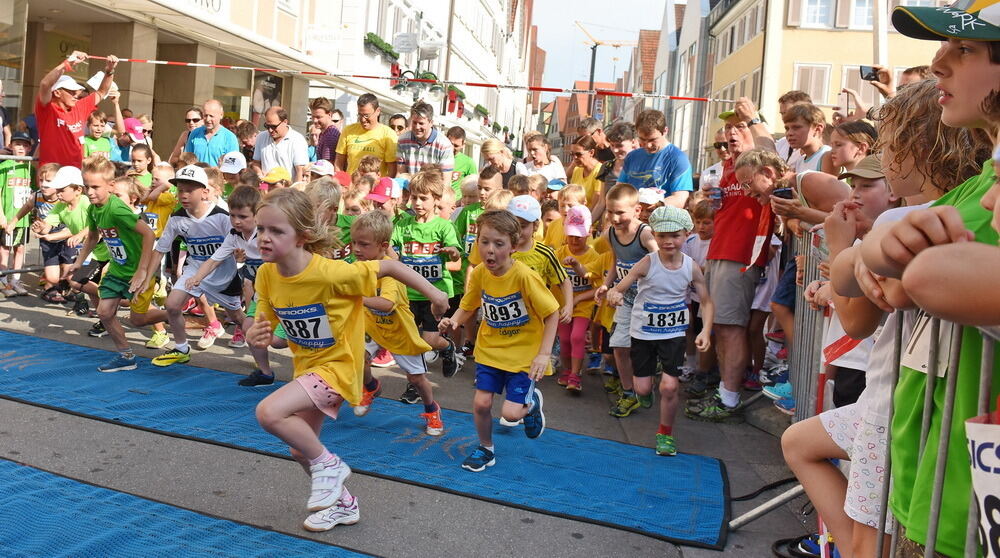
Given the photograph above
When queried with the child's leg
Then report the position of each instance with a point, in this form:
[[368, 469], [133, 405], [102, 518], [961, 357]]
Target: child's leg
[[208, 309], [865, 541], [4, 260], [107, 311], [668, 402], [755, 335], [314, 419], [176, 301], [424, 388], [284, 414], [482, 414], [259, 354], [643, 356], [808, 449], [578, 343], [18, 260], [621, 343], [51, 275], [565, 332]]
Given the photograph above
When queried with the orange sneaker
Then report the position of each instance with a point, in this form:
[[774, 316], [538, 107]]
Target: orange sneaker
[[434, 425], [367, 398]]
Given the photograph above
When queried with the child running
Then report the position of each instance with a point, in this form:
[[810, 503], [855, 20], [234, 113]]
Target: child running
[[318, 301], [660, 315], [583, 266], [390, 324], [514, 343]]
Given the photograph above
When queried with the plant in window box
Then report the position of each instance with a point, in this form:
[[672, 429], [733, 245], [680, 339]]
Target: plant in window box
[[496, 128], [375, 45], [480, 110], [458, 92]]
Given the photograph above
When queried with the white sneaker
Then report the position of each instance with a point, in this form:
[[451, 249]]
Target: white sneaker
[[18, 288], [327, 483], [209, 335], [509, 424], [430, 357], [337, 514], [459, 359]]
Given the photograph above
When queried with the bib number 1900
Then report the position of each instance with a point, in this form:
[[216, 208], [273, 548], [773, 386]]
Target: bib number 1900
[[307, 326]]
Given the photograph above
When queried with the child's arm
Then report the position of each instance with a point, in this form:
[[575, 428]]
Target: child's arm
[[378, 303], [566, 312], [159, 186], [92, 239], [941, 281], [203, 270], [888, 249], [139, 280], [584, 296], [704, 339], [456, 321], [412, 279], [25, 209], [541, 361], [648, 240], [616, 294]]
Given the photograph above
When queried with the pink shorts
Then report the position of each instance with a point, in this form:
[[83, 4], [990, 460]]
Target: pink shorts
[[322, 395]]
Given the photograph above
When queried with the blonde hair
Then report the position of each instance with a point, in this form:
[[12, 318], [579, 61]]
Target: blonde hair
[[539, 184], [357, 196], [324, 198], [369, 163], [502, 221], [757, 159], [375, 222], [619, 192], [299, 209], [136, 191], [215, 179], [363, 184], [98, 164], [470, 185], [448, 196], [498, 200], [576, 191], [910, 124], [494, 145], [427, 182], [519, 185], [48, 171]]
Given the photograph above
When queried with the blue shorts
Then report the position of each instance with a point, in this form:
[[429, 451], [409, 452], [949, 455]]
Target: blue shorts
[[784, 293], [517, 384]]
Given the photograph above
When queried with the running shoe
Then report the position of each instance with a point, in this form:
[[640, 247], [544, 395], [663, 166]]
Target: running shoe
[[173, 356], [573, 383], [157, 340], [612, 385], [210, 334], [449, 365], [717, 411], [459, 360], [510, 424], [327, 483], [479, 459], [383, 359], [468, 349], [256, 378], [776, 375], [97, 330], [779, 391], [687, 374], [665, 445], [645, 401], [776, 336], [19, 288], [434, 425], [698, 386], [238, 340], [430, 357], [594, 361], [751, 381], [367, 398], [624, 406], [782, 354], [337, 514], [563, 378], [786, 405], [197, 312], [192, 303], [118, 364], [410, 396], [534, 421], [81, 307]]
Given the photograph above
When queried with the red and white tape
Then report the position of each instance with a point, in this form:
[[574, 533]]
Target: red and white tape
[[605, 92]]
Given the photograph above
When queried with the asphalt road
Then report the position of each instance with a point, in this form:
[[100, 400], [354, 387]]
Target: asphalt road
[[398, 519]]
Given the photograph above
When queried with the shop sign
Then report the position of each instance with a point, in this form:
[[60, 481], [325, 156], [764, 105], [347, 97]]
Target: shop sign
[[214, 8], [59, 46], [321, 38]]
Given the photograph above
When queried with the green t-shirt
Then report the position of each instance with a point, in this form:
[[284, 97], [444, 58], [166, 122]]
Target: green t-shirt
[[75, 219], [146, 179], [913, 482], [227, 189], [419, 246], [344, 223], [464, 166], [116, 221], [17, 180], [466, 230], [93, 146]]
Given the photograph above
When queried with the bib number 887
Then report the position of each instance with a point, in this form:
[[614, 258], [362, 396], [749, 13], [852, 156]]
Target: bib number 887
[[303, 329]]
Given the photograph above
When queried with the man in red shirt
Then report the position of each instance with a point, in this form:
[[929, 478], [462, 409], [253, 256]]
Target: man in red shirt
[[732, 276], [61, 116]]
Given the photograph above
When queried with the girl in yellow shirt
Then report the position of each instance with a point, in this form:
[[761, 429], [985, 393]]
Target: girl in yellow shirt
[[319, 304], [583, 267]]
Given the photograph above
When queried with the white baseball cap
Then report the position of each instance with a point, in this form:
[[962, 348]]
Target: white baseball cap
[[322, 167], [191, 173], [525, 207], [68, 83], [233, 162], [66, 176]]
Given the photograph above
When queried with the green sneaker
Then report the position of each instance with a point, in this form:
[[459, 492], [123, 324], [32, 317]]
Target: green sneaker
[[715, 411], [173, 356], [646, 400], [696, 404], [613, 385], [665, 445], [624, 406]]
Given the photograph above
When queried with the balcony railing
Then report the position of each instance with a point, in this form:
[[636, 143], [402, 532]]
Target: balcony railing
[[720, 10]]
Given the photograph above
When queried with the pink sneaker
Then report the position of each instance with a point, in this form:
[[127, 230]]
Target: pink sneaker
[[563, 378], [238, 340], [209, 335], [573, 383], [383, 359]]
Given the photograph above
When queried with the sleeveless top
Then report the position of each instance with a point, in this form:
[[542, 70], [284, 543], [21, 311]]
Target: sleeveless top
[[660, 310], [626, 256]]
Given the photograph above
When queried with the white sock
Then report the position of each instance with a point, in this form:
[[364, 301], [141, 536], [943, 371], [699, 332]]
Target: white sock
[[488, 447], [183, 347], [729, 398]]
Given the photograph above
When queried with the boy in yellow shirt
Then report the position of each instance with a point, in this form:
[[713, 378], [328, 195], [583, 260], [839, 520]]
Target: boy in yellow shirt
[[514, 343], [389, 322]]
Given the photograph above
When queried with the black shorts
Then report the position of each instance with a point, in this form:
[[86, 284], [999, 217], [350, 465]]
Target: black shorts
[[423, 316], [453, 303], [56, 253], [669, 353], [19, 237], [90, 272], [848, 383]]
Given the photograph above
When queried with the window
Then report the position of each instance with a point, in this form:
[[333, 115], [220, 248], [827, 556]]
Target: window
[[743, 86], [861, 14], [741, 38], [755, 87], [818, 13], [752, 26], [814, 79]]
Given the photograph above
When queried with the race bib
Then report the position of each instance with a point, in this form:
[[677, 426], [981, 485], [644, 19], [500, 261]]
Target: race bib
[[202, 248], [117, 250], [579, 283], [661, 319], [428, 268], [506, 311], [152, 219], [21, 196], [470, 241], [307, 326]]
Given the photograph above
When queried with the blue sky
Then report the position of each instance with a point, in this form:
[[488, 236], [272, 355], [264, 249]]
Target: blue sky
[[568, 58]]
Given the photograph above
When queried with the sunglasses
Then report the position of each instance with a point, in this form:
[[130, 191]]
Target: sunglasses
[[721, 145], [577, 153], [274, 126], [337, 121], [190, 120], [398, 128]]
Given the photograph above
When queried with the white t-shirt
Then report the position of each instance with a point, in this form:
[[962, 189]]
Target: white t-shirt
[[551, 171], [235, 241], [697, 250], [289, 152], [203, 238]]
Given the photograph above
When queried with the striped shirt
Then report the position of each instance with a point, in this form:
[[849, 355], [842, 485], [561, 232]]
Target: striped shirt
[[411, 154], [543, 261]]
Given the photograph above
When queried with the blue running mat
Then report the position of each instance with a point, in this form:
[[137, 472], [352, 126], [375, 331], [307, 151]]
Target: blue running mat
[[88, 520], [682, 499]]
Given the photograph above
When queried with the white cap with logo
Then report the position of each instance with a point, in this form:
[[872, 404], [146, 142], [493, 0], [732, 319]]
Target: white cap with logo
[[191, 173], [233, 162]]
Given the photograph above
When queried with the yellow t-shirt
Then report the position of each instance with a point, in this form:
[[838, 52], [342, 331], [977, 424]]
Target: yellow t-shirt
[[395, 330], [320, 310], [515, 306], [591, 184], [555, 234], [158, 212], [356, 142], [591, 262]]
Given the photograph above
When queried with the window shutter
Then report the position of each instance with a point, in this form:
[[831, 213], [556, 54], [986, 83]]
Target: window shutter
[[843, 18], [803, 76], [794, 16]]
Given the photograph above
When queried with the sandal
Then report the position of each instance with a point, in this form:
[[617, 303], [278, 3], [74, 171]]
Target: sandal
[[53, 296]]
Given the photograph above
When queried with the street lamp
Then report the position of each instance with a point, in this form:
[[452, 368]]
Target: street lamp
[[427, 80]]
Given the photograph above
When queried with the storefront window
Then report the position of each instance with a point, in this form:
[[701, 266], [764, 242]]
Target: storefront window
[[13, 24]]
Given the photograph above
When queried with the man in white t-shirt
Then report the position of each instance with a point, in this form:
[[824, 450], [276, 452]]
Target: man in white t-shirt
[[280, 146], [721, 147]]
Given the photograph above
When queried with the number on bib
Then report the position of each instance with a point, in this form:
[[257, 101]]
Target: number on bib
[[506, 311], [117, 250], [21, 196], [152, 219], [203, 248], [660, 319], [428, 268], [307, 326], [579, 283]]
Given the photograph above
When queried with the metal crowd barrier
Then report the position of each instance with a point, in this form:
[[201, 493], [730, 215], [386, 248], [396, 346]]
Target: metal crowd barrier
[[805, 356]]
